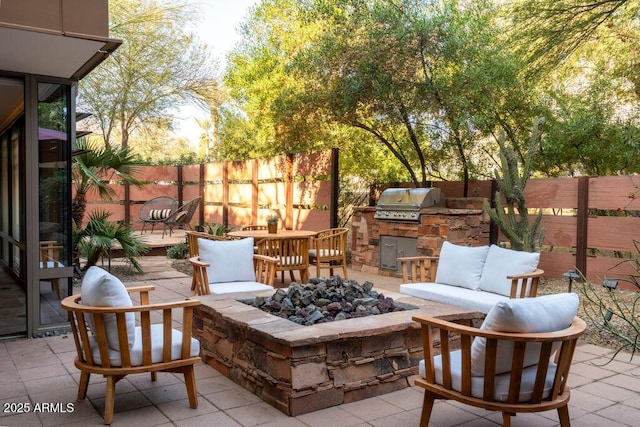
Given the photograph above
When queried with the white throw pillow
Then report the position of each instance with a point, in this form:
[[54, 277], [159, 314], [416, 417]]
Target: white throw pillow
[[547, 313], [229, 260], [101, 289], [503, 262], [461, 265]]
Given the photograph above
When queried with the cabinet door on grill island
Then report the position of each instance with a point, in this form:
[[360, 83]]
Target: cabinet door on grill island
[[392, 247]]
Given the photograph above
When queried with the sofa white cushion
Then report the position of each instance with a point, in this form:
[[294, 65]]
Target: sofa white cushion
[[231, 287], [547, 313], [461, 265], [501, 390], [467, 298], [102, 289], [229, 260], [503, 262], [157, 346]]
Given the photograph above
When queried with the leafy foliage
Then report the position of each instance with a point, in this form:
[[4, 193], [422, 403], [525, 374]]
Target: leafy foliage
[[100, 235], [160, 65], [614, 315]]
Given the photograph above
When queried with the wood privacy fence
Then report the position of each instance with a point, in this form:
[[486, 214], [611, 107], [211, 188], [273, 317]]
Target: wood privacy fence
[[298, 188], [591, 223]]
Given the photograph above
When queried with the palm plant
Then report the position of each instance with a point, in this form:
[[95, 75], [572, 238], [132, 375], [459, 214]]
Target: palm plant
[[99, 235], [94, 169]]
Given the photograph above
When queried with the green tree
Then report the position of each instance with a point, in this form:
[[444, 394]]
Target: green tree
[[159, 67], [427, 81]]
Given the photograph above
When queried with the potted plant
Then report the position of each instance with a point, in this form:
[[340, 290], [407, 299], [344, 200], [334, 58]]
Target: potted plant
[[272, 223]]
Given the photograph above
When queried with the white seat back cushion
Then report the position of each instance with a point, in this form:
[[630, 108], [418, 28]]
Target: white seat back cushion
[[157, 346], [501, 384], [547, 313], [461, 265], [229, 260], [101, 289], [503, 262]]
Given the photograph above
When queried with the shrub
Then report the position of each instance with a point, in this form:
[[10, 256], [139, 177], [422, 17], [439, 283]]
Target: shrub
[[178, 251]]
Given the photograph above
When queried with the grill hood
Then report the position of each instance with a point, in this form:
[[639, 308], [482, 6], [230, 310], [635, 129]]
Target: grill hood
[[404, 204]]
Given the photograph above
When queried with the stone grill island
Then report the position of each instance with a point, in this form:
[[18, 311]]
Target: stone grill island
[[301, 368]]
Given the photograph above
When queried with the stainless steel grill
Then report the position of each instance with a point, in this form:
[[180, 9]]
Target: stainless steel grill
[[404, 204]]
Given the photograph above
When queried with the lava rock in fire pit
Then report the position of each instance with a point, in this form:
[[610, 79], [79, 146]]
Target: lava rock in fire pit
[[325, 300]]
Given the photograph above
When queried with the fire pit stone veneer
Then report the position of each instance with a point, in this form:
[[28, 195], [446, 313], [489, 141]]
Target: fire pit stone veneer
[[300, 369]]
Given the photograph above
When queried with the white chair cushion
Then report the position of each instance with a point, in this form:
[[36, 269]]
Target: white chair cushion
[[324, 252], [501, 390], [467, 298], [101, 289], [229, 260], [232, 287], [461, 265], [503, 262], [51, 264], [156, 347], [547, 313], [290, 260]]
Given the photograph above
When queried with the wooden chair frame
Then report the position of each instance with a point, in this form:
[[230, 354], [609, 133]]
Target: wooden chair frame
[[50, 252], [448, 335], [254, 227], [84, 361], [160, 202], [422, 269], [329, 248], [292, 254], [265, 268], [192, 245]]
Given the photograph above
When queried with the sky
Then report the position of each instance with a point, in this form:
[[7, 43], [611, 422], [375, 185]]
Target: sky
[[218, 29]]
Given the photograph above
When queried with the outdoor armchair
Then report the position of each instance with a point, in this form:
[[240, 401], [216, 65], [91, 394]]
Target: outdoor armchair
[[228, 266], [518, 361], [108, 342], [182, 216]]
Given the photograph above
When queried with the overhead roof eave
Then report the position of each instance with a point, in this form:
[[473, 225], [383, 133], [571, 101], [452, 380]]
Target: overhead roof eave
[[52, 53]]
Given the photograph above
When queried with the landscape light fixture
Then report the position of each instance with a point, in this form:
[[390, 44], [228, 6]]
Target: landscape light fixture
[[610, 283], [608, 315], [571, 274]]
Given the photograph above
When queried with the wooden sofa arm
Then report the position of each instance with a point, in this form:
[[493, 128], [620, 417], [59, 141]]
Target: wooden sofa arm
[[420, 268], [525, 285]]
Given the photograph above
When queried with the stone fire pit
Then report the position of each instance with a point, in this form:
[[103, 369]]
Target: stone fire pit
[[326, 300], [300, 369]]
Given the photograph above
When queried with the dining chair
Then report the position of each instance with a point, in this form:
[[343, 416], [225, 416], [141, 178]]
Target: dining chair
[[292, 254], [181, 217], [254, 227], [50, 253], [329, 248]]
